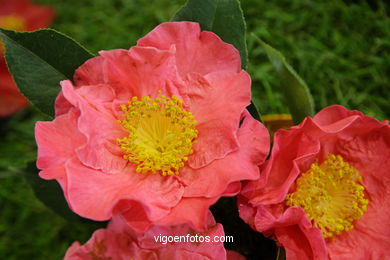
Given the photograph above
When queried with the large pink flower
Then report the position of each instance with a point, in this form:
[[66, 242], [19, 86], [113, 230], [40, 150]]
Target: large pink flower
[[119, 241], [324, 192], [19, 15], [157, 133]]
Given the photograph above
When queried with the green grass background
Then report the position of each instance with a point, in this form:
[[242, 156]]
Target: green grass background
[[340, 48]]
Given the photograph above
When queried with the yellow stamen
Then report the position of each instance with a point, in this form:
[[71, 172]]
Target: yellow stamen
[[330, 195], [161, 134], [11, 22]]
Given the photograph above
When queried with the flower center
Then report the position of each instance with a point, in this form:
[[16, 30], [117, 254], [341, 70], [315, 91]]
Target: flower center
[[11, 22], [161, 134], [330, 195]]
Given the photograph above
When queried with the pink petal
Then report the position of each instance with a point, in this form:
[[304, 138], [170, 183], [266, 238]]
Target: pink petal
[[142, 71], [196, 51], [336, 119], [333, 114], [369, 154], [71, 253], [217, 126], [232, 189], [120, 241], [213, 179], [91, 72], [281, 170], [185, 249], [62, 105], [191, 211], [58, 140], [365, 144], [98, 125], [88, 187], [294, 232]]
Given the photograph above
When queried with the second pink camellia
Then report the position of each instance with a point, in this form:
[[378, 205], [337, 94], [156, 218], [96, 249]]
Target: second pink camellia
[[18, 15], [324, 192], [157, 133]]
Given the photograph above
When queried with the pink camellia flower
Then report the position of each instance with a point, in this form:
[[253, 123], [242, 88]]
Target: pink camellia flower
[[324, 192], [157, 133], [18, 15], [22, 15], [119, 241], [11, 100]]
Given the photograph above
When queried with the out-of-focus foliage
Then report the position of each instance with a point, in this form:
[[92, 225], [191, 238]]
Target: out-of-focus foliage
[[340, 48], [295, 92]]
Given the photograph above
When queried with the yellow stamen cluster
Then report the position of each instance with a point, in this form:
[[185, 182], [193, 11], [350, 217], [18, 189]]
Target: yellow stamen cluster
[[11, 22], [161, 134], [330, 195]]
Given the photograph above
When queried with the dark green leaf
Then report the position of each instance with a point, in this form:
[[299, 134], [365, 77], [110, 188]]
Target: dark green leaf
[[252, 109], [223, 17], [50, 193], [39, 60], [297, 94]]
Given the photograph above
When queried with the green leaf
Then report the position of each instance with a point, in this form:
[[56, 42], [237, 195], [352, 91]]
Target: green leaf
[[223, 17], [252, 109], [295, 90], [50, 193], [39, 60]]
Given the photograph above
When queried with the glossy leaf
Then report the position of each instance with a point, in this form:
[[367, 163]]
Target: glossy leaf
[[295, 90], [39, 60]]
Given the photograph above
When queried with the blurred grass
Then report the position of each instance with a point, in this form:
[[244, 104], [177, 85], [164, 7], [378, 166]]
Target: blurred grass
[[341, 49]]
